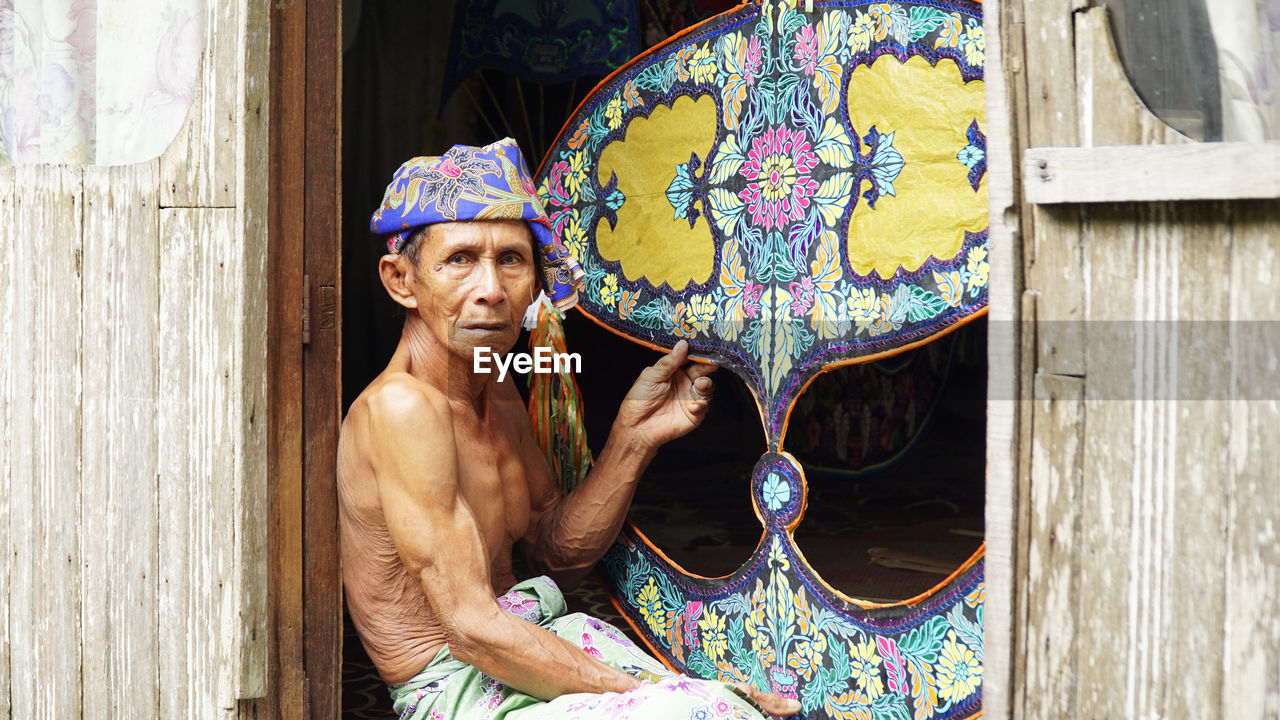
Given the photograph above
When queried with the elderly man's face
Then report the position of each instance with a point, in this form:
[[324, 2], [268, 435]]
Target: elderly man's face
[[474, 281]]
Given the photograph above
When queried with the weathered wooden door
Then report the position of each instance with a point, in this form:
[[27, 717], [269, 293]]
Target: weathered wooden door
[[306, 322], [1132, 485]]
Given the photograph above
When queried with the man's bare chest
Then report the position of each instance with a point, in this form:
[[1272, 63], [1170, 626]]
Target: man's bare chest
[[493, 479]]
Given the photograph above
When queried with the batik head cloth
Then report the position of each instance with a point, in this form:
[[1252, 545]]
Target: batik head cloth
[[471, 183]]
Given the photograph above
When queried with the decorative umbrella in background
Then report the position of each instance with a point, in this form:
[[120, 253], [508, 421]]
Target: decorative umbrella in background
[[540, 42]]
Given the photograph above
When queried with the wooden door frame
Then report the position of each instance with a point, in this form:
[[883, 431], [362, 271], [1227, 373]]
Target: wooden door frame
[[304, 388]]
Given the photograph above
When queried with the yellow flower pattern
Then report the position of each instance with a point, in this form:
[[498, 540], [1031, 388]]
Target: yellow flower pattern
[[863, 308], [609, 293], [978, 268], [579, 167], [959, 672], [702, 310], [613, 111], [574, 240], [806, 659], [714, 638], [787, 633], [864, 667], [975, 45], [862, 32], [655, 616], [703, 66]]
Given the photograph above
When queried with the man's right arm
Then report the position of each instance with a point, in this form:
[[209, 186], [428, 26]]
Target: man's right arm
[[415, 462]]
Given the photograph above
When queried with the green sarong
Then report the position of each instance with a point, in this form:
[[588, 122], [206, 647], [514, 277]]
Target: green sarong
[[448, 689]]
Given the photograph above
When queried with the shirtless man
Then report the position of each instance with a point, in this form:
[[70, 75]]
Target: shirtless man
[[440, 477]]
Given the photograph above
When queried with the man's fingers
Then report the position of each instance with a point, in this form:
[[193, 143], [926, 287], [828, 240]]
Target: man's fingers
[[697, 370], [779, 706], [702, 388], [669, 363], [666, 365], [772, 704]]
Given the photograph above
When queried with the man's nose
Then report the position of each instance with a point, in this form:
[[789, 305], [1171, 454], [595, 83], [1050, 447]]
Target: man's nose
[[489, 287]]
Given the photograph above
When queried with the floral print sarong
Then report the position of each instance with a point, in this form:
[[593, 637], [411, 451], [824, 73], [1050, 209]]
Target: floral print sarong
[[448, 689]]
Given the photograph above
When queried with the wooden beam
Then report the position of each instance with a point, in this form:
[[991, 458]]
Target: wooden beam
[[322, 581], [284, 347], [252, 188], [1003, 84], [1205, 171], [1251, 662], [1052, 573], [1200, 253], [1052, 238], [8, 238]]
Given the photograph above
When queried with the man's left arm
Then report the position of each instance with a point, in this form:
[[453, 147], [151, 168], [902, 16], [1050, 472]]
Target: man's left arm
[[570, 533]]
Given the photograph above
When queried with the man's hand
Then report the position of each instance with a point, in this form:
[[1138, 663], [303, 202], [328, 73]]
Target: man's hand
[[669, 399], [770, 703]]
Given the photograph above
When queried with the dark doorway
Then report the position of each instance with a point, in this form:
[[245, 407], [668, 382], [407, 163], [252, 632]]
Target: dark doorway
[[392, 108]]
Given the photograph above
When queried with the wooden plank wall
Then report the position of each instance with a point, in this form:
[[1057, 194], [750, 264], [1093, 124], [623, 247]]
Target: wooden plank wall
[[7, 418], [1148, 505], [118, 491], [1004, 353], [132, 394]]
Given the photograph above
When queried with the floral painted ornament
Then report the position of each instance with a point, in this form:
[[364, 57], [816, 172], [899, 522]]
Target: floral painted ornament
[[790, 191], [475, 183]]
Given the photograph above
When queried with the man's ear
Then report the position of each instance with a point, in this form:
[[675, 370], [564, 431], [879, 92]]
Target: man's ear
[[395, 269]]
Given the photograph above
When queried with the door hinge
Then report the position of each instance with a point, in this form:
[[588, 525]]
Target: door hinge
[[306, 310]]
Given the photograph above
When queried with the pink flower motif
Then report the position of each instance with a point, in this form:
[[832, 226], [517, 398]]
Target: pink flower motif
[[751, 299], [521, 607], [589, 646], [683, 685], [754, 59], [807, 46], [606, 630], [802, 296], [692, 611], [449, 169], [777, 173], [555, 179]]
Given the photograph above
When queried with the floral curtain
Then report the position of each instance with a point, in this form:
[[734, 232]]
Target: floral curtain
[[1247, 33], [103, 82]]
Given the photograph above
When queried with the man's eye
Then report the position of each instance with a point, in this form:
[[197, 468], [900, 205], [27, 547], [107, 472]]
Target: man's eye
[[457, 258], [511, 260]]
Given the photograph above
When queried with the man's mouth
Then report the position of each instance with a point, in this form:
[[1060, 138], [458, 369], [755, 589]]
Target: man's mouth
[[486, 327]]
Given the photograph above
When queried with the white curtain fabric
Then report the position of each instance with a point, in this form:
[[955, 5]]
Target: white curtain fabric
[[101, 82], [1247, 33]]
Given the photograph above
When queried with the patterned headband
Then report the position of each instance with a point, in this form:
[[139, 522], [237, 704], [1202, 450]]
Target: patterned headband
[[470, 183]]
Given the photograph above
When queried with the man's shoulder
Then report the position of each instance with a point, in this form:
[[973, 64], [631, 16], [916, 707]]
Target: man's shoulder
[[389, 421], [399, 402]]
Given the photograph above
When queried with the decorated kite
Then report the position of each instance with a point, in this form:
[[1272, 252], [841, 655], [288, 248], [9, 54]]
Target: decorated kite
[[790, 189]]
